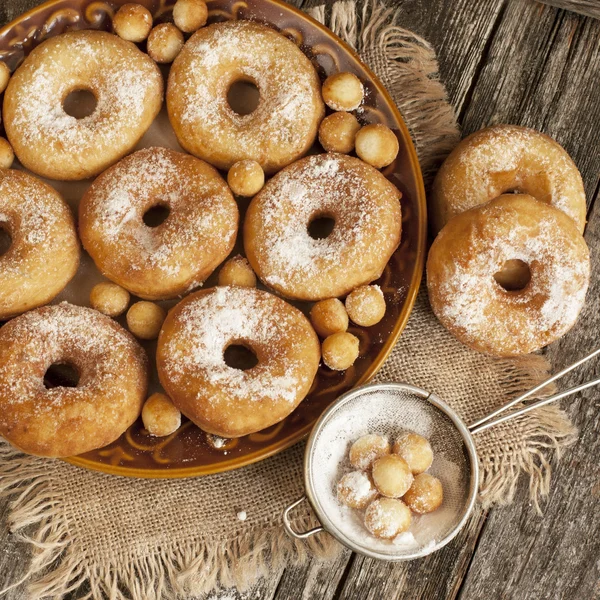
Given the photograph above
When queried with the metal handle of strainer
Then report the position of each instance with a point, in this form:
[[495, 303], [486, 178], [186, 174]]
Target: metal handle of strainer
[[489, 420], [288, 525]]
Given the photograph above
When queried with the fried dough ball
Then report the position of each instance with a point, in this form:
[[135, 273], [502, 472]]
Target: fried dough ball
[[246, 178], [165, 43], [415, 450], [190, 15], [329, 317], [340, 350], [160, 416], [392, 476], [133, 22], [4, 76], [366, 449], [237, 271], [387, 517], [343, 91], [7, 154], [109, 298], [356, 490], [145, 319], [377, 145], [366, 305], [425, 494], [337, 132]]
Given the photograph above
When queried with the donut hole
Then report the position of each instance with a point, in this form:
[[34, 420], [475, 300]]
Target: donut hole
[[5, 240], [241, 357], [513, 276], [320, 226], [243, 96], [156, 215], [80, 104], [61, 375]]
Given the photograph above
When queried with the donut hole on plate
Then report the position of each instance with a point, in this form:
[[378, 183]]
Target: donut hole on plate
[[61, 374], [514, 275], [240, 356], [6, 240], [156, 215], [320, 226], [80, 103], [243, 96]]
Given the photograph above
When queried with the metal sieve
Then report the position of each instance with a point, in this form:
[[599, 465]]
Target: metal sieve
[[388, 409]]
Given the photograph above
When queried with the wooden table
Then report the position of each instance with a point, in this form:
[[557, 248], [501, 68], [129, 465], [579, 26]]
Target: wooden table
[[503, 61]]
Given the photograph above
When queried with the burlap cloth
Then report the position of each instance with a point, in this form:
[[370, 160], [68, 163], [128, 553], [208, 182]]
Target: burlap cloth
[[147, 539]]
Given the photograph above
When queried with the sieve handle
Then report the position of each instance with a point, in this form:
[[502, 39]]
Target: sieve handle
[[288, 525]]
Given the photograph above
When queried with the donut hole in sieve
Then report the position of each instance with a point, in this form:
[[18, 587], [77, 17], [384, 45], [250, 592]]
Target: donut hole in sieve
[[514, 275], [80, 103], [243, 96]]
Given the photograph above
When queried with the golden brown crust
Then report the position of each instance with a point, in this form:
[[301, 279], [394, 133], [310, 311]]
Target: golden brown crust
[[506, 158], [366, 210], [284, 124], [168, 260], [474, 246], [128, 87], [66, 421], [44, 252], [223, 400]]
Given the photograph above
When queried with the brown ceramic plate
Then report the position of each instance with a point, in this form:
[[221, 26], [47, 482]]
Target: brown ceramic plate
[[189, 452]]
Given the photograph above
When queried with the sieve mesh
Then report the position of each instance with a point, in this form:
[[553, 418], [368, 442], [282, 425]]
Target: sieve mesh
[[389, 411]]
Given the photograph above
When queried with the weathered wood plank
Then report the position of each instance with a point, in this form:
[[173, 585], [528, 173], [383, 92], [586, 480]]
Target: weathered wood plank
[[590, 8], [13, 557]]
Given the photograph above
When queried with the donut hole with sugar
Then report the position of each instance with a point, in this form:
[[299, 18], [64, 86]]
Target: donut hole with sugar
[[320, 226], [156, 215], [80, 103], [61, 374], [240, 356], [6, 240], [514, 275], [243, 96]]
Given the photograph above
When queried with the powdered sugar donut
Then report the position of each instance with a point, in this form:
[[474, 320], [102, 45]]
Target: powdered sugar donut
[[163, 261], [224, 400], [507, 158], [475, 245], [364, 205], [126, 83], [43, 254], [66, 421], [284, 124]]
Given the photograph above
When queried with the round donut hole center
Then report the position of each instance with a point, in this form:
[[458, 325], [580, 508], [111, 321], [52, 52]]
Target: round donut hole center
[[238, 356], [5, 240], [513, 276], [320, 227], [61, 375], [243, 96], [80, 104], [156, 215]]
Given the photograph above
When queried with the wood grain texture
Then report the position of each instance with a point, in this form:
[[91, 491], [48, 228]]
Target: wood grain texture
[[590, 8], [521, 62]]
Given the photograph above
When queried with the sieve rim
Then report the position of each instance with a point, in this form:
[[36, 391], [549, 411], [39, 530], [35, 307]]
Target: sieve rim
[[324, 519]]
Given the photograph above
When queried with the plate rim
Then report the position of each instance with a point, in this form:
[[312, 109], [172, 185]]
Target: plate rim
[[399, 326]]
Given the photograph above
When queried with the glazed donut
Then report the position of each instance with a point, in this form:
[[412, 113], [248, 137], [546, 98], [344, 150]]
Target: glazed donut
[[474, 246], [126, 83], [507, 158], [284, 124], [227, 401], [177, 255], [366, 210], [43, 255], [66, 421]]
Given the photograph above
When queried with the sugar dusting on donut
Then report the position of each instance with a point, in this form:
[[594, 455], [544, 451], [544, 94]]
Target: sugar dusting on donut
[[116, 207], [215, 320], [551, 301], [327, 184]]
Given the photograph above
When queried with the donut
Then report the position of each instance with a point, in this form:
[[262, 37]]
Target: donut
[[227, 401], [364, 205], [133, 22], [163, 261], [43, 250], [64, 421], [190, 15], [125, 82], [474, 246], [284, 124], [506, 158]]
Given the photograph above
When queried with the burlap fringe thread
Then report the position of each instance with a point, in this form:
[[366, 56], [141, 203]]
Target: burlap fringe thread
[[172, 572]]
